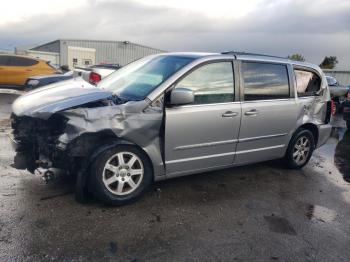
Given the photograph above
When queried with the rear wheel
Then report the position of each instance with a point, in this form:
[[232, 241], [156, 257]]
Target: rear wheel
[[300, 149], [348, 124], [120, 175]]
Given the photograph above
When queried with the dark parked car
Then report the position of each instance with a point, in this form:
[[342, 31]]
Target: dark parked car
[[39, 81], [338, 92]]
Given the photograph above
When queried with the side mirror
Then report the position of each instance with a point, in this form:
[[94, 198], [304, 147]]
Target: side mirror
[[181, 96]]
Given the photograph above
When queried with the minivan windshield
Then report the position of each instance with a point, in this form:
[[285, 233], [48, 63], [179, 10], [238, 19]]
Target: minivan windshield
[[137, 79]]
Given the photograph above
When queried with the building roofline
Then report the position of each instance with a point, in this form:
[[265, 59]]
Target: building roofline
[[38, 46], [105, 41]]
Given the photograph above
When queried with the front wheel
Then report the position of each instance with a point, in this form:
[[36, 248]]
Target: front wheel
[[300, 149], [120, 175]]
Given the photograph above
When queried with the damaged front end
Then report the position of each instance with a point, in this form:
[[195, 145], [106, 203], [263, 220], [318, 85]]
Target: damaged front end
[[64, 135], [35, 142]]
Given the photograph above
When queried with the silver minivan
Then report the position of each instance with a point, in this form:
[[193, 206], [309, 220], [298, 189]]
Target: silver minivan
[[170, 115]]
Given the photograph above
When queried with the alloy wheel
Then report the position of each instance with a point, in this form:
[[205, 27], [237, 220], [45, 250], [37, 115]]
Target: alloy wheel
[[123, 173], [301, 150]]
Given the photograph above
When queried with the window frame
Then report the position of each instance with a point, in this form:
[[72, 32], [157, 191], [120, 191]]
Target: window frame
[[236, 89], [291, 81], [306, 69]]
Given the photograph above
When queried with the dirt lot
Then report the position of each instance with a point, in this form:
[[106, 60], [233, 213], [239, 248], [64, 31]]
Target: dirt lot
[[261, 212]]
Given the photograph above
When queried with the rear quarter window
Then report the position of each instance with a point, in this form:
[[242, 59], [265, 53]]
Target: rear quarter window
[[308, 83], [21, 61]]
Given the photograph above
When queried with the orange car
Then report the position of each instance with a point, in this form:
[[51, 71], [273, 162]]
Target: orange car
[[14, 70]]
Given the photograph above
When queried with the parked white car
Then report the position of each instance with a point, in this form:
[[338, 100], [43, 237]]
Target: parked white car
[[95, 73]]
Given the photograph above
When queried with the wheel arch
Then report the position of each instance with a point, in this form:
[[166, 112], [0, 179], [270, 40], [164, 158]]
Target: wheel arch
[[313, 129], [97, 143]]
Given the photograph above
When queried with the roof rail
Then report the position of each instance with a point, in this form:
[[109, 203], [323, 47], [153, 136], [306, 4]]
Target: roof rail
[[235, 53]]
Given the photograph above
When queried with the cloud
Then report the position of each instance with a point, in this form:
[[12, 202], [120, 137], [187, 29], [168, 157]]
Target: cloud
[[314, 29]]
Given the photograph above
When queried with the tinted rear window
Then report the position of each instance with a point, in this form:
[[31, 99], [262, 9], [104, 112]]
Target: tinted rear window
[[265, 81], [21, 61]]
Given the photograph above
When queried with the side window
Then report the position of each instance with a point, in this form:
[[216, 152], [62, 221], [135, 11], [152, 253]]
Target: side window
[[3, 60], [308, 83], [265, 81], [211, 83], [21, 61]]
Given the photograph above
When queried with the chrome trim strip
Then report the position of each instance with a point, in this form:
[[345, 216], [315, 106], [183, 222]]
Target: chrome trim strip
[[259, 149], [269, 100], [260, 137], [206, 144], [198, 158]]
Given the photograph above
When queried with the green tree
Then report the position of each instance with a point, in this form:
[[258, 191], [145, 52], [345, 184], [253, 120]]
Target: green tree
[[329, 62], [296, 57]]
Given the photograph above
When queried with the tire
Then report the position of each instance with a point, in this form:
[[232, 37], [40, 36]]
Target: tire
[[348, 124], [116, 183], [297, 155]]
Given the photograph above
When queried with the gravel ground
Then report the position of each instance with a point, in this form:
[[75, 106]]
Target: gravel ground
[[260, 212]]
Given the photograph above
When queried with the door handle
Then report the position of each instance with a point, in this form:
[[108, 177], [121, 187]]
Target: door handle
[[252, 112], [229, 114]]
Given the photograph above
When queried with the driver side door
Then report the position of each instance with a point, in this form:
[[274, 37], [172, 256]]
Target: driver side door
[[203, 135]]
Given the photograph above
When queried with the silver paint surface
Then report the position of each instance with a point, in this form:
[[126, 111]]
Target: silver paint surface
[[45, 101]]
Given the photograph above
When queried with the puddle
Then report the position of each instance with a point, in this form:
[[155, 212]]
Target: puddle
[[320, 214]]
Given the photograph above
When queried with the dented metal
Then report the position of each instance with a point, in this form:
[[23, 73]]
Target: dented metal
[[45, 101], [135, 122]]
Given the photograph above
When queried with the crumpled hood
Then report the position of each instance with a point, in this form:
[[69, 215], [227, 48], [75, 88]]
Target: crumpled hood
[[45, 101]]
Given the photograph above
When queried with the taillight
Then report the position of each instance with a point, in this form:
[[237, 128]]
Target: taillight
[[333, 108], [94, 78], [349, 95]]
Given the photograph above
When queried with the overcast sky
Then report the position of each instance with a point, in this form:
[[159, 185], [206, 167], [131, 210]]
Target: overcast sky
[[313, 28]]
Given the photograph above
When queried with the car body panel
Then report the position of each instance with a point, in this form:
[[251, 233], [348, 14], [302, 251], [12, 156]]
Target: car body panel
[[17, 75], [56, 97], [265, 135], [200, 137]]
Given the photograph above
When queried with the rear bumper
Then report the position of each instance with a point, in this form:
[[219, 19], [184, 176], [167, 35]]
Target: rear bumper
[[324, 132]]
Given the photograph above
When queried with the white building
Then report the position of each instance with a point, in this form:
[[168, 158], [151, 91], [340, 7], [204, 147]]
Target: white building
[[82, 53]]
